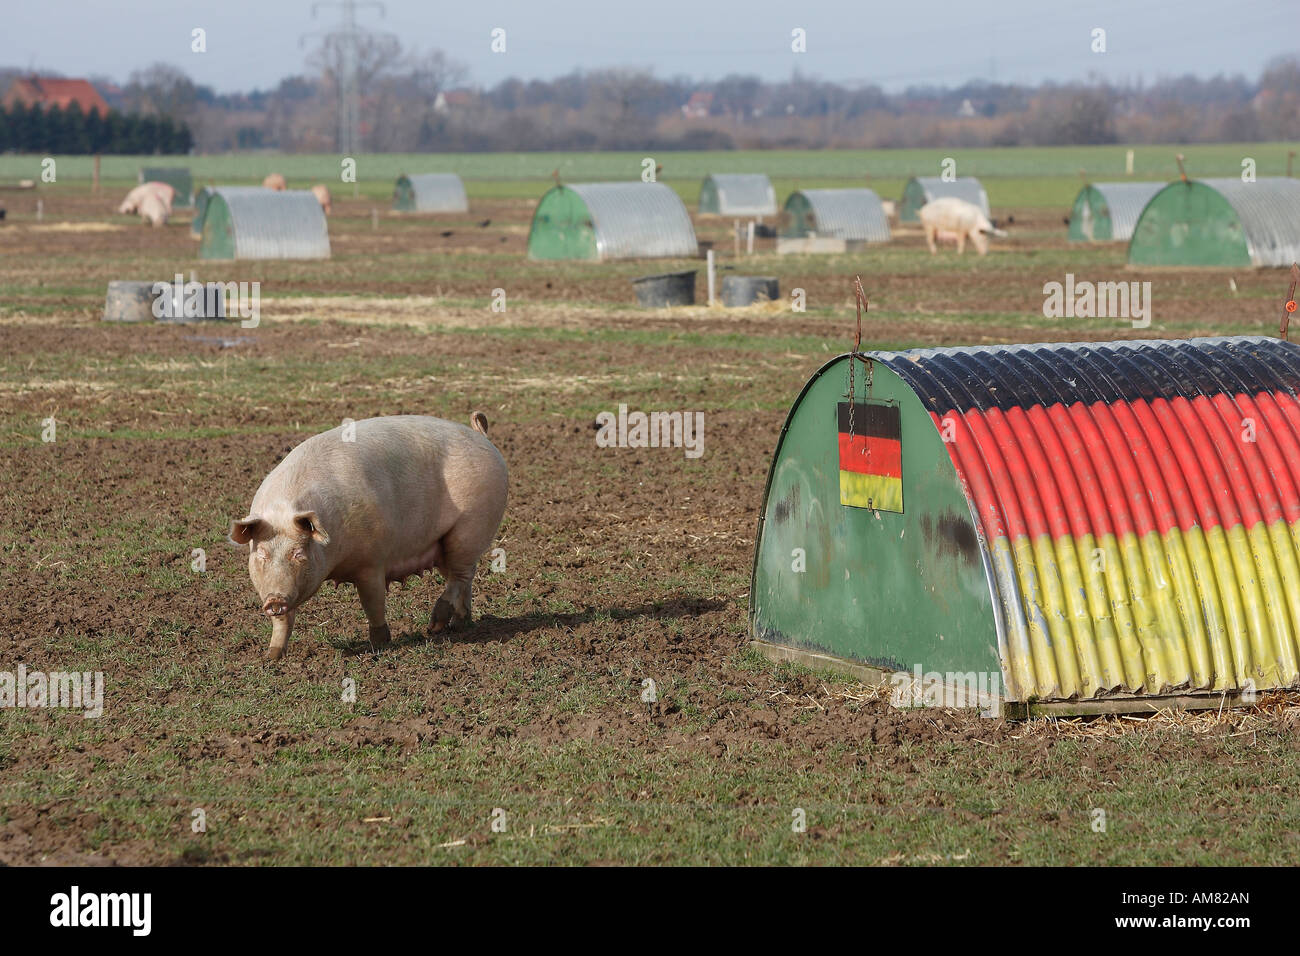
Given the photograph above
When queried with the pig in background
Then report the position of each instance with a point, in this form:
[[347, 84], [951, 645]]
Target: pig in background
[[322, 194], [407, 494], [164, 191], [154, 210], [953, 218]]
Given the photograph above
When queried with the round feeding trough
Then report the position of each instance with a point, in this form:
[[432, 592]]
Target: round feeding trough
[[1109, 526], [667, 289], [129, 300], [746, 290]]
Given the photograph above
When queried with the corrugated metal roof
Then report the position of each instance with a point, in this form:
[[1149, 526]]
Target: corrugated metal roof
[[204, 196], [276, 224], [1125, 202], [854, 214], [744, 194], [966, 187], [1269, 210], [439, 192], [1135, 542], [638, 220]]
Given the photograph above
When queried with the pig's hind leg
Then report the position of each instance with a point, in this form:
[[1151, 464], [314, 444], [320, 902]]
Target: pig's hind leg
[[373, 589], [461, 550]]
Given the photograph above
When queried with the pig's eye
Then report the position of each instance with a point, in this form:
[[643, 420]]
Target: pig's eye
[[298, 555]]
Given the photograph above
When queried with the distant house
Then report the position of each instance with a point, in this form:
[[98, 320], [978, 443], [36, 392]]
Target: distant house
[[698, 106], [452, 99], [47, 91], [967, 108]]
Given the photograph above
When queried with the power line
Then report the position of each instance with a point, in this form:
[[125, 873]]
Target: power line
[[347, 40]]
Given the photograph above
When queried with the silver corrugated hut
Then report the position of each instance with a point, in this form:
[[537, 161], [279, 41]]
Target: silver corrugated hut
[[263, 224], [922, 189], [430, 192], [1220, 222], [1109, 211], [737, 194], [627, 220], [850, 214]]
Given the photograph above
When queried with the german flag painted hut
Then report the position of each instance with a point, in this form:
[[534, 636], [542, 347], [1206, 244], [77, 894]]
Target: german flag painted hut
[[1101, 526]]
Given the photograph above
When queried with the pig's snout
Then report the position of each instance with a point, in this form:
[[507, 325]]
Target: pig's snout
[[275, 606]]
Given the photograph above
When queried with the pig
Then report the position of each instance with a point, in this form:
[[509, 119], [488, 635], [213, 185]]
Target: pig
[[131, 204], [274, 181], [154, 211], [322, 194], [370, 503], [950, 217]]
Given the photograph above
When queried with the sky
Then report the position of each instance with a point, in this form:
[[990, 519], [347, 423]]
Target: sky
[[252, 44]]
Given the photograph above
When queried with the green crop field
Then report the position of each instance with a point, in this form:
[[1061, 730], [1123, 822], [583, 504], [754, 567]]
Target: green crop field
[[1020, 176]]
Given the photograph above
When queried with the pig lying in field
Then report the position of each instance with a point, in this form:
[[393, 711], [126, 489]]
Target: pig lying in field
[[274, 181], [950, 217], [406, 494]]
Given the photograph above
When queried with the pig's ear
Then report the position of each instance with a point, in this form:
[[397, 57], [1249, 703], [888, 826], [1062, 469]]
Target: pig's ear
[[308, 523], [245, 529]]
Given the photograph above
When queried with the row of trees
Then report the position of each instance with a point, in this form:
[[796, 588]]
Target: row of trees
[[36, 129], [419, 102]]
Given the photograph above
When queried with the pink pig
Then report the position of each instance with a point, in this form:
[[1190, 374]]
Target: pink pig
[[373, 502]]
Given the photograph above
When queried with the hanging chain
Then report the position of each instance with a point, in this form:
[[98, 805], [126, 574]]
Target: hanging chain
[[1289, 305], [857, 355]]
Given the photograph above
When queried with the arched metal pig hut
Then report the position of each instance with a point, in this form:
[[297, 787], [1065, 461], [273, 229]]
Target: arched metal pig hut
[[201, 203], [855, 215], [737, 194], [1106, 212], [1220, 222], [430, 192], [625, 220], [1108, 526], [255, 223], [921, 189]]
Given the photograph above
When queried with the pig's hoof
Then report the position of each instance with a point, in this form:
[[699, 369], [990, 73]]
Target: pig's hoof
[[444, 615], [379, 636], [273, 654]]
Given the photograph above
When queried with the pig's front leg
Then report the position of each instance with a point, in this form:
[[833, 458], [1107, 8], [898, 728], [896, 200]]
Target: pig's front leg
[[281, 628], [373, 589]]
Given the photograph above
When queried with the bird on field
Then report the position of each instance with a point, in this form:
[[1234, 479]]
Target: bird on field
[[485, 223], [447, 232]]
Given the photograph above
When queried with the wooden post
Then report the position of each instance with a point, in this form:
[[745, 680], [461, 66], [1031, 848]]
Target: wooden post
[[95, 185], [735, 234], [709, 260], [374, 219], [749, 242], [1128, 163]]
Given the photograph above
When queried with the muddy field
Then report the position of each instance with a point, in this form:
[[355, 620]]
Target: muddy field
[[523, 738]]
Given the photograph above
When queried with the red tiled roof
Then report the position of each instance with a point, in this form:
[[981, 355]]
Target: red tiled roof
[[56, 91]]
